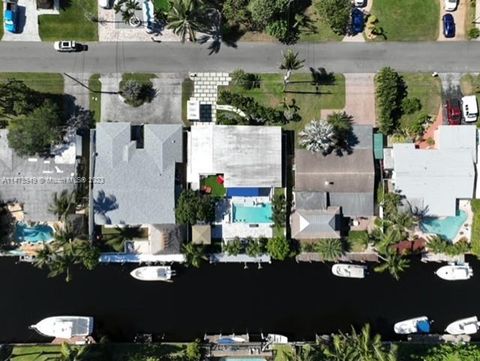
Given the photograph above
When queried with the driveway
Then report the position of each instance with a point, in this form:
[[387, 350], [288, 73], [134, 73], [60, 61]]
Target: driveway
[[75, 85], [359, 98], [459, 17], [27, 23], [360, 38], [165, 108]]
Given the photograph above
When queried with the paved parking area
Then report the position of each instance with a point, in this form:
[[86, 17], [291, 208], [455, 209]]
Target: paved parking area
[[360, 38], [459, 17], [165, 108], [27, 23]]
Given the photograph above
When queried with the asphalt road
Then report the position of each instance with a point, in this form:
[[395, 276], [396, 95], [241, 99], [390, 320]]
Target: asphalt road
[[260, 57]]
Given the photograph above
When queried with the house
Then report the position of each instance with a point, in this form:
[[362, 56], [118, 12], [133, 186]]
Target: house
[[32, 181], [434, 180]]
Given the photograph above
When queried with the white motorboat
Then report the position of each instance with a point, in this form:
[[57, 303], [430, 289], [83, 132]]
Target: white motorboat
[[455, 272], [64, 326], [348, 270], [465, 326], [413, 325], [276, 339], [153, 273]]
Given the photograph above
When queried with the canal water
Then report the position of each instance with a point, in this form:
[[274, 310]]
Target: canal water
[[297, 300]]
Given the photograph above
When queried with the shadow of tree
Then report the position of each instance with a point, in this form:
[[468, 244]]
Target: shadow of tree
[[103, 204]]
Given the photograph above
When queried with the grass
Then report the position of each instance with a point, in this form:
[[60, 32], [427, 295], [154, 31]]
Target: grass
[[47, 83], [426, 88], [476, 227], [143, 78], [355, 241], [73, 22], [322, 31], [469, 84], [270, 93], [95, 98], [470, 16], [1, 22], [218, 190], [187, 92], [408, 20]]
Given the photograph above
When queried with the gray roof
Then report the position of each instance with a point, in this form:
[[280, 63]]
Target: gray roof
[[311, 200], [138, 183], [359, 204], [51, 175], [314, 224]]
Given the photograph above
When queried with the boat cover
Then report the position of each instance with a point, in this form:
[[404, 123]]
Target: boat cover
[[423, 326]]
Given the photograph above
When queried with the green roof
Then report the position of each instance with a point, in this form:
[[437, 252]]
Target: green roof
[[378, 145]]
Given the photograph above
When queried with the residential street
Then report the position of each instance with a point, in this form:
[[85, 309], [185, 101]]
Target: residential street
[[258, 57]]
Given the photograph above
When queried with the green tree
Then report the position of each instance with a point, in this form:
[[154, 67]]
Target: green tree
[[394, 263], [7, 227], [336, 13], [452, 352], [194, 351], [37, 131], [185, 18], [279, 29], [255, 247], [194, 207], [117, 239], [127, 8], [330, 249], [411, 105], [62, 204], [342, 127], [16, 99], [279, 248], [279, 210], [194, 254], [390, 91], [290, 62], [264, 12], [233, 247], [72, 353], [236, 11]]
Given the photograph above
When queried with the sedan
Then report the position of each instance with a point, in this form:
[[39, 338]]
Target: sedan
[[448, 26], [451, 5], [358, 21]]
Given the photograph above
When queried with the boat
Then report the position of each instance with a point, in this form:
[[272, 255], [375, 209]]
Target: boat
[[153, 273], [348, 270], [465, 326], [64, 326], [455, 272], [276, 339], [413, 325]]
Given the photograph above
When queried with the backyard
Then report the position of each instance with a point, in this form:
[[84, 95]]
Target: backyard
[[211, 183], [309, 100], [47, 83], [76, 21], [95, 96], [408, 20]]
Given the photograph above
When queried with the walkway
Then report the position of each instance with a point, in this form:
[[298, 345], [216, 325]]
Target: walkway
[[27, 23]]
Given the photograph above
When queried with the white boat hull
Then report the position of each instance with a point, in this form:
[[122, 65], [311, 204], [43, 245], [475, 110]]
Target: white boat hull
[[408, 326], [276, 339], [465, 326], [348, 270], [454, 272], [65, 326], [153, 273]]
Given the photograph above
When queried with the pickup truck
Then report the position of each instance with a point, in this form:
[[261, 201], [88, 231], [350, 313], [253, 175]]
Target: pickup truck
[[10, 16]]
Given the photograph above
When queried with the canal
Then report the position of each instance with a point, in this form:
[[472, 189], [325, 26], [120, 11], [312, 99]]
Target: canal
[[298, 300]]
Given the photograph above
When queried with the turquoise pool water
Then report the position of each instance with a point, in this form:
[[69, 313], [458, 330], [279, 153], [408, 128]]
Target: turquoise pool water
[[447, 227], [38, 233], [252, 214]]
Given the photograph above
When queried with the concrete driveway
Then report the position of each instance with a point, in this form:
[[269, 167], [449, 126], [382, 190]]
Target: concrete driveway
[[459, 17], [165, 108], [27, 23]]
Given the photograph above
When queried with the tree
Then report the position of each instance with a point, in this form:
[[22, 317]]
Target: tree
[[37, 131], [279, 210], [342, 127], [236, 11], [280, 29], [136, 93], [390, 91], [255, 247], [194, 254], [453, 352], [117, 239], [394, 263], [72, 353], [194, 351], [62, 204], [265, 11], [411, 105], [127, 8], [194, 207], [184, 18], [279, 248], [7, 227], [290, 62], [233, 247], [336, 13], [318, 136], [16, 98], [330, 249]]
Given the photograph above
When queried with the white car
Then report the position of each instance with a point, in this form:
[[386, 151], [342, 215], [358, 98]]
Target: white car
[[359, 3], [470, 108], [451, 5], [104, 4], [65, 45]]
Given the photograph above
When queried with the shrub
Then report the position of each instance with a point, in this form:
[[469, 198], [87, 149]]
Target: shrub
[[329, 249], [236, 11], [279, 248], [336, 13], [419, 125], [194, 207], [280, 30], [474, 33], [233, 247], [136, 93], [411, 105], [245, 80], [255, 247], [390, 92], [279, 210]]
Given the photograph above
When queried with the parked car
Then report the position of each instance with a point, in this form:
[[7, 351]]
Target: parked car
[[448, 26], [106, 4], [359, 3], [470, 108], [451, 5], [454, 111], [358, 21], [68, 46], [10, 16]]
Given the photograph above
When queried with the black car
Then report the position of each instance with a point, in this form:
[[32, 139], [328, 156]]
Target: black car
[[448, 26]]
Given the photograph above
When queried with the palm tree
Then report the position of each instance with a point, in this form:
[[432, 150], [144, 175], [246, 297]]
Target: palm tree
[[127, 8], [289, 63], [72, 353], [394, 264], [437, 244], [233, 247], [184, 18], [342, 125], [62, 204], [318, 136], [194, 254], [117, 239], [330, 249], [255, 247]]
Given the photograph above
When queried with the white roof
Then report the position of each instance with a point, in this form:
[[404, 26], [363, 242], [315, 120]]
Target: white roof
[[437, 176], [248, 156], [458, 137]]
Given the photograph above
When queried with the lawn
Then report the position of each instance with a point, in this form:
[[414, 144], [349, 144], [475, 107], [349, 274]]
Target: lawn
[[47, 83], [95, 98], [187, 92], [74, 22], [1, 21], [218, 190], [143, 78], [321, 30], [408, 20], [310, 103], [426, 88], [469, 84], [470, 17], [476, 227]]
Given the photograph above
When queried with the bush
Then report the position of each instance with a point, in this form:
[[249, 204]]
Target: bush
[[136, 93], [233, 247], [255, 247], [411, 105], [390, 92], [236, 11], [265, 11], [419, 125], [329, 249], [245, 80], [337, 14], [279, 248], [279, 210], [474, 33], [194, 207], [279, 29]]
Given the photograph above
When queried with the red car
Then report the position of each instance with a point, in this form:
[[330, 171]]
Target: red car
[[454, 111]]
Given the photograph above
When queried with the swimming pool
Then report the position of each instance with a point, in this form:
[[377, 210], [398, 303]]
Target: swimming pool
[[35, 234], [261, 213], [447, 227]]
